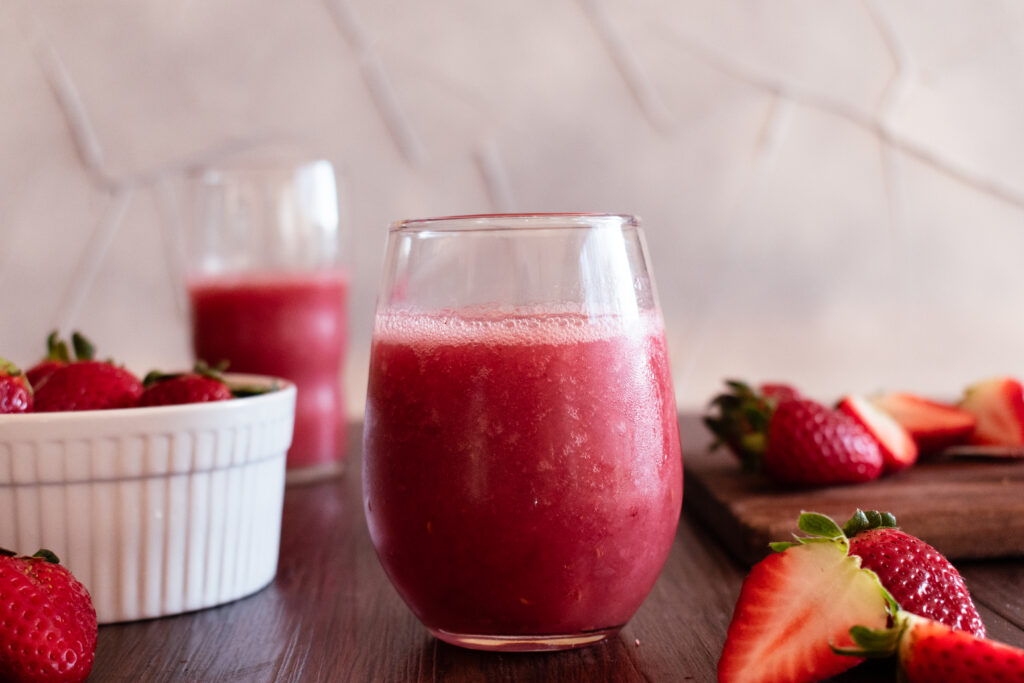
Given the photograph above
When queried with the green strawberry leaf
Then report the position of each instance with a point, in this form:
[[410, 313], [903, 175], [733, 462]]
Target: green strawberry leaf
[[47, 555], [816, 524]]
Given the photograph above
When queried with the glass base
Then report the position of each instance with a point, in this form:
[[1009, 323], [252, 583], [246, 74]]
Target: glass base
[[537, 643]]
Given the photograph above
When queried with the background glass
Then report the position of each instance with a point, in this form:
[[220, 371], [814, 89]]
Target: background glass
[[522, 476], [269, 291]]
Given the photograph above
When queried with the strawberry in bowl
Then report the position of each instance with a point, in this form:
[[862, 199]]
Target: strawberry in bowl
[[135, 497], [201, 385], [15, 390]]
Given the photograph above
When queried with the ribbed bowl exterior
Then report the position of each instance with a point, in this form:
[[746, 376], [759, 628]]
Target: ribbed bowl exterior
[[157, 511]]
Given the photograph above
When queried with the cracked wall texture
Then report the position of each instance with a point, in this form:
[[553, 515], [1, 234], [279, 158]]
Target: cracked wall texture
[[833, 192]]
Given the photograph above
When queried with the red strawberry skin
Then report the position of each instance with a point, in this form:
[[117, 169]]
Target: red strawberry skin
[[47, 623], [15, 391], [15, 396], [812, 445], [189, 388], [930, 651], [38, 373], [919, 577], [88, 385], [779, 391]]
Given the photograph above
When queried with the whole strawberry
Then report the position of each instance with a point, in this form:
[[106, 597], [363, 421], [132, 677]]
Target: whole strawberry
[[58, 355], [929, 651], [794, 441], [88, 385], [47, 621], [15, 391], [201, 385], [917, 575]]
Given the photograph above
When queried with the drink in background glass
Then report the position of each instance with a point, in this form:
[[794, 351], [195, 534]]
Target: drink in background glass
[[522, 475], [269, 292]]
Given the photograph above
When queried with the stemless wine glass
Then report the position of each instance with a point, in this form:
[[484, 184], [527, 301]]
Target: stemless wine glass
[[522, 479]]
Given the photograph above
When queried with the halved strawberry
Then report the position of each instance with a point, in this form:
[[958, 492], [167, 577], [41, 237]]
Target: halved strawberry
[[933, 425], [798, 603], [899, 450], [930, 651], [998, 405]]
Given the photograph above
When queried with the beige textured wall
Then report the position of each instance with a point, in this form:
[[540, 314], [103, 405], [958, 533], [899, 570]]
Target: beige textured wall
[[833, 191]]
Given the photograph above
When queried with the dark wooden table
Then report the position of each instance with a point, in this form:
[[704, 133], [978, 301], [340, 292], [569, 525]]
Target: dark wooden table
[[331, 615]]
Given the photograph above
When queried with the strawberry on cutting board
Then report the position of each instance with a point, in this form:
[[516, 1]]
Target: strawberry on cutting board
[[934, 425], [795, 605], [899, 450], [932, 652], [48, 623], [998, 406], [795, 441]]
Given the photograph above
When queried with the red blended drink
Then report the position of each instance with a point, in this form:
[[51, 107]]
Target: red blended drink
[[284, 325], [522, 478], [269, 289], [524, 474]]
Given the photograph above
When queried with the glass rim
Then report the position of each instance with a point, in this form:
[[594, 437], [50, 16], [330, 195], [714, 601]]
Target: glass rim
[[497, 222]]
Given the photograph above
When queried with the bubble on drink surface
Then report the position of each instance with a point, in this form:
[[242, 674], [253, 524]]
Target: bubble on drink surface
[[506, 325]]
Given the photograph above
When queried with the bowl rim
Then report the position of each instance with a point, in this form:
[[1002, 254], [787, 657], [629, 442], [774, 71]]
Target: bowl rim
[[284, 387]]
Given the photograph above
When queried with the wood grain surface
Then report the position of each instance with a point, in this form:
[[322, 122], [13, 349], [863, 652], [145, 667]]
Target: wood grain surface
[[332, 615]]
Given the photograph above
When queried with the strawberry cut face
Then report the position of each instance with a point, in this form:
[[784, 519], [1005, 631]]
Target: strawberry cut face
[[793, 607], [899, 450], [932, 424], [998, 406]]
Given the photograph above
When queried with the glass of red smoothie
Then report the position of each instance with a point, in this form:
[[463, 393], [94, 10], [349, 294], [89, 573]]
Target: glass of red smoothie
[[268, 287], [522, 479]]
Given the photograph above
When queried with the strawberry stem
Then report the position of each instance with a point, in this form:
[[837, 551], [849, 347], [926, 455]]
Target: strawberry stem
[[864, 520]]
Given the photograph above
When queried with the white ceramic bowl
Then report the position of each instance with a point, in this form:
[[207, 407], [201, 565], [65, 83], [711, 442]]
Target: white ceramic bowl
[[157, 510]]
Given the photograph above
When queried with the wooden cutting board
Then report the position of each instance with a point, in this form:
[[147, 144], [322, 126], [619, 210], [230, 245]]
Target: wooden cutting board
[[966, 508]]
